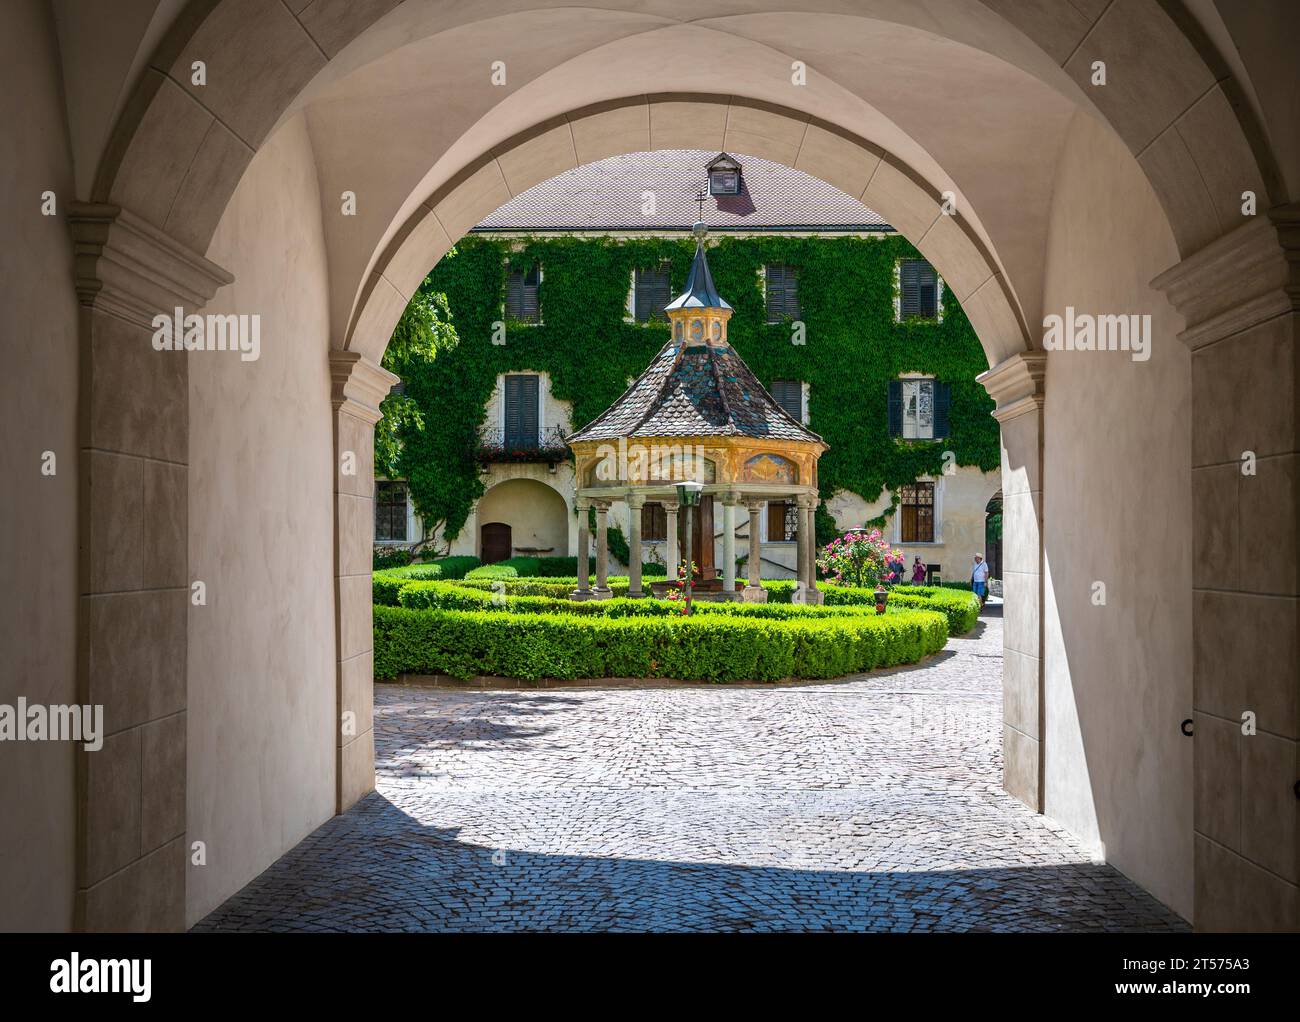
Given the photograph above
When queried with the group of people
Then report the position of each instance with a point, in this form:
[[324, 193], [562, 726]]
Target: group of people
[[979, 575]]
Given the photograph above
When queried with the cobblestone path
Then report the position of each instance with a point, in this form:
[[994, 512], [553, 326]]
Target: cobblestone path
[[867, 804]]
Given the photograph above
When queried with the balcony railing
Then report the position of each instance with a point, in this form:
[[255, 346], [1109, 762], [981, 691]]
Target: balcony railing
[[494, 445]]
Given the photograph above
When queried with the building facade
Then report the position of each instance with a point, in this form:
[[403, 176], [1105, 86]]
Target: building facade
[[830, 295]]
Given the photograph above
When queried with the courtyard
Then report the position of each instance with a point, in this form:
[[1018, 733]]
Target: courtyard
[[870, 804]]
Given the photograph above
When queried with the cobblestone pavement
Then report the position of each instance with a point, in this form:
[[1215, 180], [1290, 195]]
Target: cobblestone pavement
[[867, 804]]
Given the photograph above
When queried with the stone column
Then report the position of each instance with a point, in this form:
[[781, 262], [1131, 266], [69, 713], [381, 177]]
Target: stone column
[[729, 545], [754, 591], [583, 592], [358, 386], [800, 554], [635, 502], [673, 557], [601, 591], [1240, 298], [808, 548], [134, 577], [1017, 386]]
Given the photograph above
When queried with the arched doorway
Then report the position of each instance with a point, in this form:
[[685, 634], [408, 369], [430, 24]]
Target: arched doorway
[[165, 211]]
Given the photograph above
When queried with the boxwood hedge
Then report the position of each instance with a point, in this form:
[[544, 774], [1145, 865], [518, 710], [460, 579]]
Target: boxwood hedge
[[717, 647]]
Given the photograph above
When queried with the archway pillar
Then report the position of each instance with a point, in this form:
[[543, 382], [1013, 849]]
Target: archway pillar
[[358, 387], [1240, 298], [1017, 385], [133, 572]]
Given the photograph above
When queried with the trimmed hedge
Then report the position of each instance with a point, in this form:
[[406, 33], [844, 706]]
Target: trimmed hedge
[[386, 583], [960, 607], [715, 647], [547, 567]]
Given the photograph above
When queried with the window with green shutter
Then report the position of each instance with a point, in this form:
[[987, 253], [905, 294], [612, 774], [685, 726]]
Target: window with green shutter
[[789, 395], [522, 285], [651, 293], [919, 289], [782, 287], [521, 412]]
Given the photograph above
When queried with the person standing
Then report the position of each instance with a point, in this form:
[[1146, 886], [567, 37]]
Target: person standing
[[979, 579], [918, 573]]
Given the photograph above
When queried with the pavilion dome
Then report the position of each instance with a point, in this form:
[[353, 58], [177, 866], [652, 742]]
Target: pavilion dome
[[697, 385]]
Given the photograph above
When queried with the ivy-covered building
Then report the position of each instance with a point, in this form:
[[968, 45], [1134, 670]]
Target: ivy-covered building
[[556, 302]]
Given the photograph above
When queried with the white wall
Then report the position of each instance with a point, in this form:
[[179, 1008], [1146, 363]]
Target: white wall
[[38, 537], [1117, 493], [262, 652]]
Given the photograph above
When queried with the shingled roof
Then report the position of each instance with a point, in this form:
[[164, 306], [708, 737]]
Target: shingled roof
[[700, 388], [609, 195]]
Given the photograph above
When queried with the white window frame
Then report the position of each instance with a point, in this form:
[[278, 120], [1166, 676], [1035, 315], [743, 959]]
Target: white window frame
[[907, 378]]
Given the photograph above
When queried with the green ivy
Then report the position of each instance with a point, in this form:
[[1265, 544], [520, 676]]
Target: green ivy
[[852, 349]]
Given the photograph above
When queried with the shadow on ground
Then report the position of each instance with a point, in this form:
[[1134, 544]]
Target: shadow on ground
[[405, 876]]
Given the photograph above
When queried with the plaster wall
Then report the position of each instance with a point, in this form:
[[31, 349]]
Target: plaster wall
[[38, 537], [1117, 492], [261, 536]]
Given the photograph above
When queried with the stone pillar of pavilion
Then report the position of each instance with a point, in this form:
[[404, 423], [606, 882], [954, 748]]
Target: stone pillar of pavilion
[[697, 414], [673, 558], [729, 501], [806, 551], [583, 590], [601, 590], [754, 591], [635, 502]]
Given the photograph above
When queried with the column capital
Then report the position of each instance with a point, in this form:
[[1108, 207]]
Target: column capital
[[1249, 275], [1017, 384], [358, 385], [131, 269], [636, 501]]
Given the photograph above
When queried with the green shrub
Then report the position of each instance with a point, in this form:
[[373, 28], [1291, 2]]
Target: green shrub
[[710, 646], [390, 557], [456, 567]]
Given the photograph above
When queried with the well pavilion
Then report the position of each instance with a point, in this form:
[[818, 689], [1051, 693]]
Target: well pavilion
[[696, 413]]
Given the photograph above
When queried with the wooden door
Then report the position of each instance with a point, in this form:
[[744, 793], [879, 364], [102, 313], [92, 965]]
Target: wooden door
[[496, 542]]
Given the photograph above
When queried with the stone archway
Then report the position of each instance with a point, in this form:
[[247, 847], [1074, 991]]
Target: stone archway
[[178, 156]]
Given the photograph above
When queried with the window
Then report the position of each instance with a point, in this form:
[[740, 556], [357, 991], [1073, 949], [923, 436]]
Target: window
[[917, 510], [521, 412], [918, 287], [782, 521], [781, 284], [789, 395], [918, 409], [390, 511], [654, 523], [521, 293], [650, 294], [724, 176]]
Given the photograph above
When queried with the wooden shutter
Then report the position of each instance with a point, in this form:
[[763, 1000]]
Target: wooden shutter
[[942, 402], [651, 294], [895, 407], [782, 292], [532, 284], [789, 395], [920, 289], [521, 413], [514, 294]]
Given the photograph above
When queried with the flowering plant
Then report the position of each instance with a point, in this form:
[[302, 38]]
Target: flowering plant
[[861, 558], [679, 590]]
